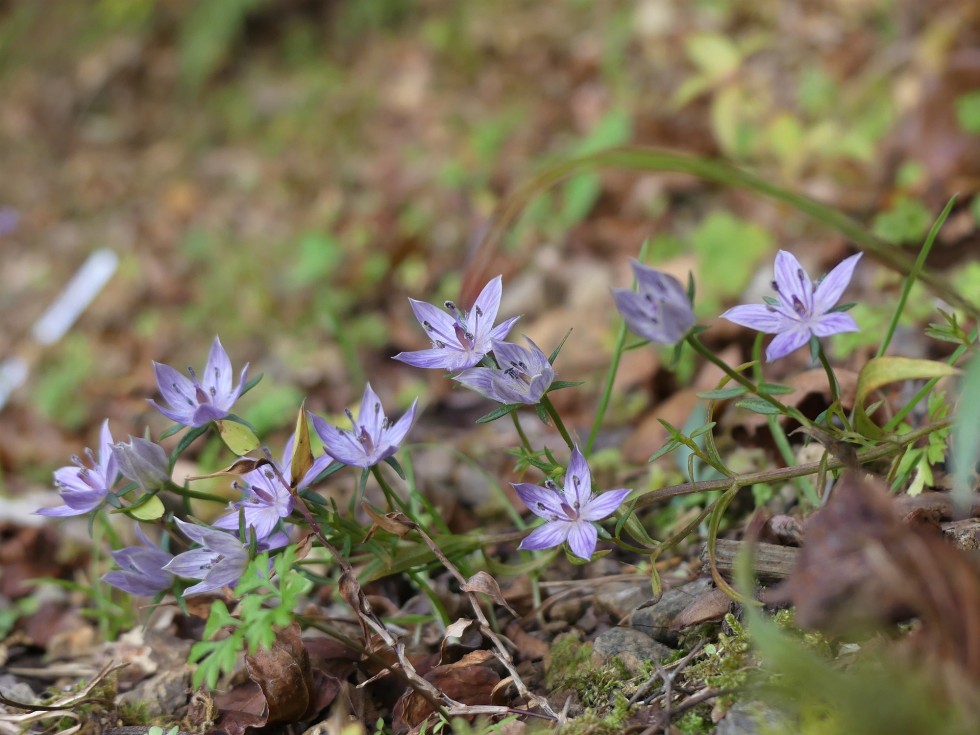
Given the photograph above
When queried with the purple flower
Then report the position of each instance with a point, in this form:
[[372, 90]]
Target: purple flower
[[801, 310], [374, 439], [659, 310], [569, 512], [194, 403], [523, 376], [83, 488], [221, 560], [459, 340], [141, 571]]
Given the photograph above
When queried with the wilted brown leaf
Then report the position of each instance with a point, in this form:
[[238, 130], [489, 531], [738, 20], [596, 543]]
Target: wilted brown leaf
[[470, 681], [862, 566], [487, 585]]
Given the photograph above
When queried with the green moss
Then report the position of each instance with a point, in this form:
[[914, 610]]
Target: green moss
[[571, 668]]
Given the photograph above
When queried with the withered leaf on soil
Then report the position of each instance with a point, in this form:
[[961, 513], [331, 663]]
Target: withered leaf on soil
[[861, 566], [484, 583], [470, 681], [239, 468], [283, 687]]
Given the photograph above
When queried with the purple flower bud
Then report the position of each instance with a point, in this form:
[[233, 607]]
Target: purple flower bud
[[659, 309], [143, 462], [141, 570]]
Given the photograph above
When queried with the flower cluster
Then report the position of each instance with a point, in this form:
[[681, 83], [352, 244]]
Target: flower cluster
[[469, 346]]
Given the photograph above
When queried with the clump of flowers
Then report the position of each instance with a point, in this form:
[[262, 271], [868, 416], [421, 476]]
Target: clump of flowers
[[281, 511]]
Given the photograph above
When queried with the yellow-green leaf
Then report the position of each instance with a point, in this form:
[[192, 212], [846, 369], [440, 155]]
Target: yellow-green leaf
[[714, 55], [237, 437], [884, 370], [148, 508], [302, 458]]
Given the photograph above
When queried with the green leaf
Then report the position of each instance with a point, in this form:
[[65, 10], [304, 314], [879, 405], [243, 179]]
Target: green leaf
[[775, 389], [720, 394], [171, 431], [664, 450], [185, 441], [499, 412], [713, 54], [557, 351], [237, 437], [559, 384], [758, 405], [884, 370], [147, 508]]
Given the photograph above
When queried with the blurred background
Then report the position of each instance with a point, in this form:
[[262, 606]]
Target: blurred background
[[284, 173]]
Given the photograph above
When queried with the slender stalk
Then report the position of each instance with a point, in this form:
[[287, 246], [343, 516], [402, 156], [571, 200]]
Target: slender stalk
[[699, 347], [550, 408], [194, 494], [831, 376], [613, 369], [604, 399], [434, 600], [913, 274], [520, 432], [390, 495], [883, 451]]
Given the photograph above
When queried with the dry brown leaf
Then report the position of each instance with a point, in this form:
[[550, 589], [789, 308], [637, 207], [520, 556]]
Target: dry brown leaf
[[238, 468], [862, 566], [482, 582]]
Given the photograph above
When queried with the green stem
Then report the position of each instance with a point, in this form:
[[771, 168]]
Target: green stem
[[831, 376], [390, 495], [188, 493], [550, 408], [613, 369], [883, 451], [699, 347], [434, 600], [913, 274], [520, 432]]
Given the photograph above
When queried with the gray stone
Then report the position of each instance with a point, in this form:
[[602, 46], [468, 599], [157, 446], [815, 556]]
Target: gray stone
[[657, 619], [619, 599], [633, 648], [752, 718], [164, 693]]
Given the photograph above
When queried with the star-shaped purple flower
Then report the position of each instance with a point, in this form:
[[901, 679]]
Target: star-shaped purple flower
[[195, 403], [83, 488], [459, 339], [221, 560], [141, 570], [523, 376], [801, 309], [570, 512], [374, 437], [659, 310]]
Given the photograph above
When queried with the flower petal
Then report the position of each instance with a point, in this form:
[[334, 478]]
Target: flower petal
[[371, 416], [447, 358], [792, 281], [582, 538], [552, 533], [503, 329], [177, 389], [834, 323], [440, 324], [603, 505], [340, 444], [542, 501], [488, 302], [481, 380], [217, 371], [578, 481], [107, 460], [394, 435], [185, 417], [193, 564], [829, 290], [759, 317], [787, 342]]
